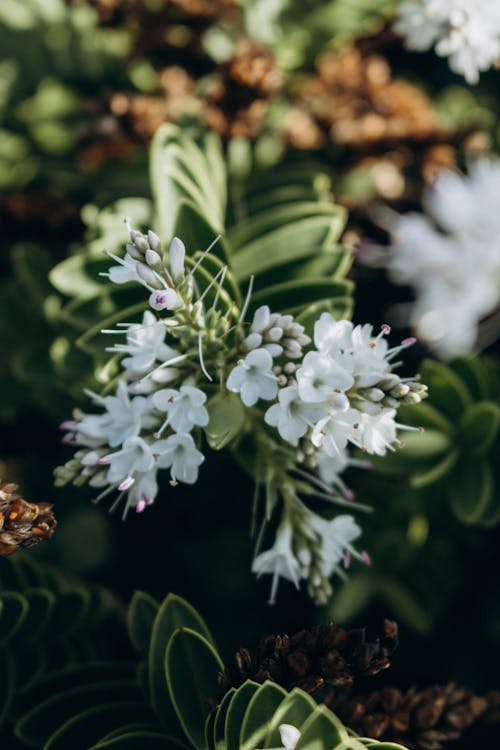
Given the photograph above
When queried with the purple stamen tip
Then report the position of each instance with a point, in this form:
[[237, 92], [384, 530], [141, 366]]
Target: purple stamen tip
[[141, 506], [386, 328], [347, 559], [126, 484], [350, 495], [366, 558], [409, 342], [368, 465], [104, 460]]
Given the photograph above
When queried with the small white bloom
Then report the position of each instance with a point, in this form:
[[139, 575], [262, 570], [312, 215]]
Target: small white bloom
[[378, 432], [165, 299], [279, 561], [135, 456], [184, 408], [455, 272], [293, 416], [320, 379], [253, 378], [331, 434], [145, 345], [144, 490], [336, 538], [176, 255], [332, 337], [178, 453], [124, 417], [289, 736], [124, 272], [465, 31]]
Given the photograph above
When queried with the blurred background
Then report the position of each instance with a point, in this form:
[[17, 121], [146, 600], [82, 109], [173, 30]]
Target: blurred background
[[83, 87]]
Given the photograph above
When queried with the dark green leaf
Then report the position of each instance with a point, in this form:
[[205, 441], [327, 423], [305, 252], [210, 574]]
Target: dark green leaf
[[322, 731], [236, 712], [14, 609], [192, 666], [446, 391], [6, 683], [174, 612], [479, 427], [141, 741], [258, 714], [294, 710], [141, 615], [219, 733], [471, 489]]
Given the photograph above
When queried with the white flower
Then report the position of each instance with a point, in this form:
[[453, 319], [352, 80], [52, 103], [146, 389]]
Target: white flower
[[135, 456], [378, 432], [321, 379], [455, 272], [184, 408], [290, 735], [253, 378], [145, 345], [179, 454], [124, 271], [144, 490], [124, 417], [331, 434], [465, 31], [332, 337], [279, 561], [165, 299], [176, 255], [336, 540], [292, 416]]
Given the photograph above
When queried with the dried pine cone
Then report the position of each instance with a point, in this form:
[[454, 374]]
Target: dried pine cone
[[237, 102], [324, 655], [22, 524], [420, 720]]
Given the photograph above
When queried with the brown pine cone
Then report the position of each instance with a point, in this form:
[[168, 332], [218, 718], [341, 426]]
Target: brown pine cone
[[236, 104], [420, 720], [22, 524], [324, 655]]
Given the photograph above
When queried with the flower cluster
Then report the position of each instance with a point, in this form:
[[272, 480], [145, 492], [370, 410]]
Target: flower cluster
[[451, 258], [465, 31], [301, 404]]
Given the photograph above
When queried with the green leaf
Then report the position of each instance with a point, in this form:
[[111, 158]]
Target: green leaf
[[405, 606], [471, 489], [192, 666], [71, 605], [352, 598], [219, 727], [321, 731], [127, 728], [446, 390], [236, 712], [41, 603], [14, 609], [39, 724], [173, 613], [209, 730], [292, 242], [429, 475], [258, 714], [421, 446], [293, 296], [426, 416], [295, 710], [226, 419], [141, 615], [479, 427], [86, 728]]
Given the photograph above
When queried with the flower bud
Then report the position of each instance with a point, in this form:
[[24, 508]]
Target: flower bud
[[261, 319], [152, 258], [133, 251], [165, 299], [154, 241], [146, 274], [176, 255], [253, 341]]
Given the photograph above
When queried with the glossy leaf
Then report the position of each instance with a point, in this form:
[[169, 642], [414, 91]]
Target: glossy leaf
[[173, 613], [294, 710], [192, 666], [259, 711], [322, 731], [236, 711]]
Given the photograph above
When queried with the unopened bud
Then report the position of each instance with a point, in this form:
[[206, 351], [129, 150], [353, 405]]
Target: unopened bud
[[146, 274], [152, 258], [154, 241]]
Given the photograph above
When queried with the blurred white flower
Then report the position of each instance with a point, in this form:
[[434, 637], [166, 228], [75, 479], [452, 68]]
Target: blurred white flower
[[336, 538], [451, 257], [124, 271], [253, 378], [290, 735], [134, 456], [465, 31], [178, 453], [320, 379], [279, 561], [184, 408], [176, 255]]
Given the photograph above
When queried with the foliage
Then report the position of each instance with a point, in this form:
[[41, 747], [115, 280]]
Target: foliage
[[172, 700]]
